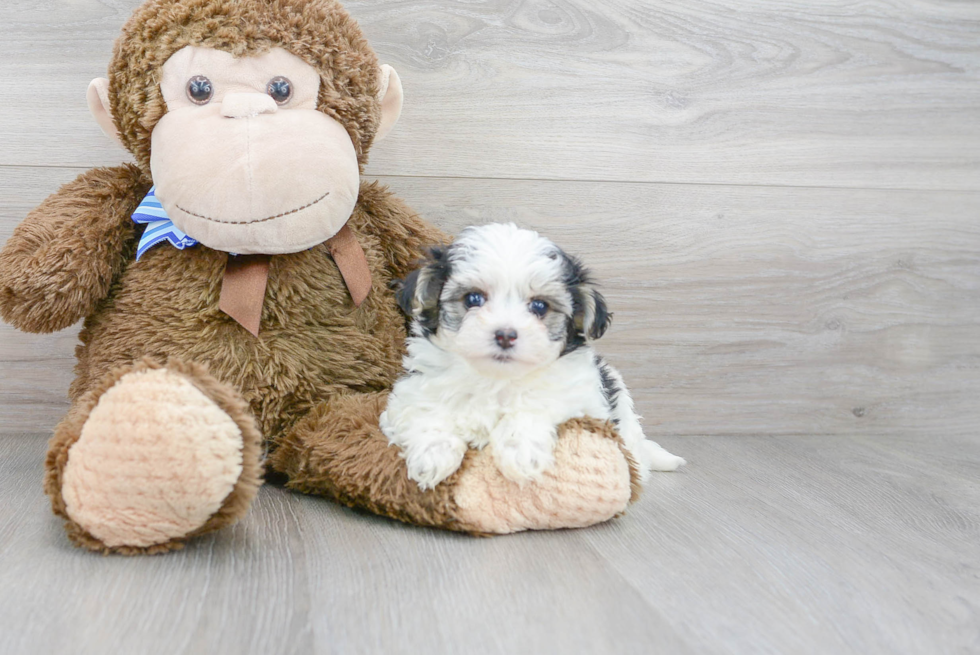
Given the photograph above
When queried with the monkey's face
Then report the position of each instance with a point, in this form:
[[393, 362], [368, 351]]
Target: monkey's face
[[245, 158], [243, 161]]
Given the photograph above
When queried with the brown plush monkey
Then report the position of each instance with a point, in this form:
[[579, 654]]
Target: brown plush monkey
[[252, 120]]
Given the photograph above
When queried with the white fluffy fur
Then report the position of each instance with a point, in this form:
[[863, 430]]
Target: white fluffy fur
[[463, 390]]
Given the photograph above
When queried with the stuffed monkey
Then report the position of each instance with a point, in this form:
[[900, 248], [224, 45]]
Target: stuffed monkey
[[234, 286]]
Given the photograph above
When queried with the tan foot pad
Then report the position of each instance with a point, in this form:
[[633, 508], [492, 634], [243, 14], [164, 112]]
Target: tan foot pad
[[155, 459], [589, 484]]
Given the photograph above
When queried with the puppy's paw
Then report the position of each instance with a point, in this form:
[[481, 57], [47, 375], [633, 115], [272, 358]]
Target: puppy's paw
[[523, 460], [654, 458], [435, 461]]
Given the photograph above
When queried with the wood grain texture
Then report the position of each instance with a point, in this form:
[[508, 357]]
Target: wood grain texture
[[782, 201], [754, 310], [882, 94], [802, 545], [738, 310]]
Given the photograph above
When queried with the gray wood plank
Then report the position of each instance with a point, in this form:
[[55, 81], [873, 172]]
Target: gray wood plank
[[807, 544], [301, 575], [811, 544], [58, 599], [782, 92], [738, 310]]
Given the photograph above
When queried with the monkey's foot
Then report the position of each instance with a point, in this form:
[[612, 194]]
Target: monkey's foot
[[339, 451], [164, 454], [593, 480]]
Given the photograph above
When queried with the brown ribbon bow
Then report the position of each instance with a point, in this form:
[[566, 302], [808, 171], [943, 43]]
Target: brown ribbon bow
[[246, 277]]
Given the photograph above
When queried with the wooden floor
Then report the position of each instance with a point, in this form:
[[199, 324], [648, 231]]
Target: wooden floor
[[782, 201], [762, 545]]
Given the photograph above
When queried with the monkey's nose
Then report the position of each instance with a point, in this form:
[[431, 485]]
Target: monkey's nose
[[505, 338], [247, 105]]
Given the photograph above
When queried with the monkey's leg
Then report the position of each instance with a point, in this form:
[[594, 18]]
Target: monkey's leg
[[152, 456], [338, 451]]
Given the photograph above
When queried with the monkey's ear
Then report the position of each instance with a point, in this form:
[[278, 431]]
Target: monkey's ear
[[391, 100], [98, 104]]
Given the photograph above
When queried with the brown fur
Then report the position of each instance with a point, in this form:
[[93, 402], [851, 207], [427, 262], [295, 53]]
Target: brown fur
[[60, 261], [314, 342], [338, 451]]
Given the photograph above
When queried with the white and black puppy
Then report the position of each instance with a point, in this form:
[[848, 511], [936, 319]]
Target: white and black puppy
[[498, 356]]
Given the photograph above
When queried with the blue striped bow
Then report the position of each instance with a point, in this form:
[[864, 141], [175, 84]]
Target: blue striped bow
[[159, 227]]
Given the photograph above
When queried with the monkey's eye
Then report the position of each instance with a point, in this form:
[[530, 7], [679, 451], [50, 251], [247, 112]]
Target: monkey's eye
[[199, 90], [474, 299], [538, 307], [280, 89]]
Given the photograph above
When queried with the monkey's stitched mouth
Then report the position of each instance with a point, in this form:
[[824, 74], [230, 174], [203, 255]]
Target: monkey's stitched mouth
[[258, 220]]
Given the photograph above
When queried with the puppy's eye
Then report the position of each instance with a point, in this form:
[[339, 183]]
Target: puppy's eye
[[280, 89], [538, 307], [199, 90], [474, 299]]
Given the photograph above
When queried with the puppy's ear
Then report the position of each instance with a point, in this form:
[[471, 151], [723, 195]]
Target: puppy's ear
[[590, 316], [418, 294], [405, 292], [598, 320]]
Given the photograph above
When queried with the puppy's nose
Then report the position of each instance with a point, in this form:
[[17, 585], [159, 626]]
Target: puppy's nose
[[247, 105], [505, 338]]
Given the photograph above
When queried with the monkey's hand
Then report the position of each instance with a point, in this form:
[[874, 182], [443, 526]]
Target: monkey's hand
[[62, 259]]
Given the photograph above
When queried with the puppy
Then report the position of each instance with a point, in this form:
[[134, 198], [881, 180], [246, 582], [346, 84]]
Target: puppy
[[499, 356]]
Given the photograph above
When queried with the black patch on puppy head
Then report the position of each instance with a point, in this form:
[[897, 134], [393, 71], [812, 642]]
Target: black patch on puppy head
[[590, 316], [418, 294]]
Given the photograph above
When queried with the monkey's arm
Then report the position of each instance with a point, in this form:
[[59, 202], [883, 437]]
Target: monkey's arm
[[405, 236], [61, 260]]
